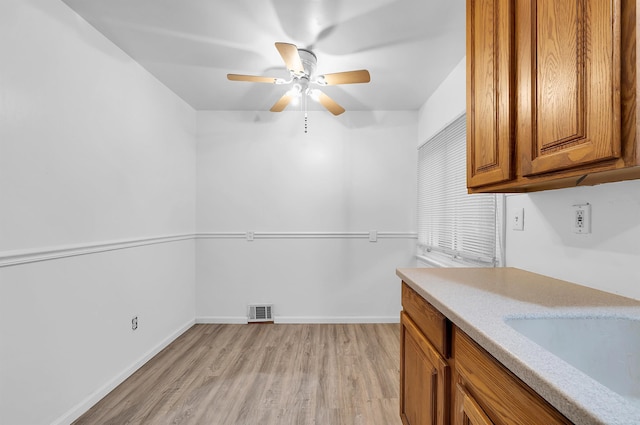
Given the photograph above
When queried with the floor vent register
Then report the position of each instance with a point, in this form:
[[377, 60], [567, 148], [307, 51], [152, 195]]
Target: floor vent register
[[260, 313]]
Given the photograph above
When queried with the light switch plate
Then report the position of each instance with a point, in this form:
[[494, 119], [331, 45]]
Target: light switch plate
[[517, 218]]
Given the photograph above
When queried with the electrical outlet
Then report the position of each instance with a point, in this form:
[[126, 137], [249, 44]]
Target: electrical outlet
[[134, 323], [250, 236], [581, 218], [517, 218], [373, 236]]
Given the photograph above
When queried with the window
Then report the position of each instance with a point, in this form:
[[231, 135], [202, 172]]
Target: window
[[455, 228]]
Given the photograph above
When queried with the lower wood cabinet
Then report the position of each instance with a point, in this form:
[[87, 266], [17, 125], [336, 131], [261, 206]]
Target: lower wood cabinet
[[488, 393], [447, 378], [424, 378], [467, 411]]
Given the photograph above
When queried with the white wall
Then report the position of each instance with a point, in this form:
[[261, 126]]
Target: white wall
[[259, 172], [607, 259], [446, 104], [93, 150]]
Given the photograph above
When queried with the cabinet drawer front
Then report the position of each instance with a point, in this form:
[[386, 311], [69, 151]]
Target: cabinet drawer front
[[499, 393], [433, 324]]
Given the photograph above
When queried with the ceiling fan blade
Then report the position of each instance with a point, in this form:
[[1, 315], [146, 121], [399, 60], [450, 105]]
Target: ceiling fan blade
[[330, 104], [289, 53], [281, 103], [251, 78], [348, 77]]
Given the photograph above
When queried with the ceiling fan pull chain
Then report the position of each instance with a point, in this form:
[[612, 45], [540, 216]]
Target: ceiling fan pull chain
[[305, 112]]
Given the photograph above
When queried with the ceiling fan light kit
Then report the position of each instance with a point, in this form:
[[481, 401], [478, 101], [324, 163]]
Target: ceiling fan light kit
[[301, 64]]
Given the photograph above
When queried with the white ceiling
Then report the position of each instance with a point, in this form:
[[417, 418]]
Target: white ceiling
[[408, 46]]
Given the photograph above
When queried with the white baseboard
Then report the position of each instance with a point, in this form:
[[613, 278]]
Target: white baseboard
[[232, 320], [77, 411], [302, 319], [337, 319]]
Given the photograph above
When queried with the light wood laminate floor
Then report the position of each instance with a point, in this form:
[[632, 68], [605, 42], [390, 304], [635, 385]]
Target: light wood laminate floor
[[264, 374]]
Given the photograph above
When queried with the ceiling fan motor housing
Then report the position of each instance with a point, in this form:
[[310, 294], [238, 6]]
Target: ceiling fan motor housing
[[309, 62]]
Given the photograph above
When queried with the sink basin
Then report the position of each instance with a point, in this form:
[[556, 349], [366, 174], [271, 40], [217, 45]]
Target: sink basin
[[605, 348]]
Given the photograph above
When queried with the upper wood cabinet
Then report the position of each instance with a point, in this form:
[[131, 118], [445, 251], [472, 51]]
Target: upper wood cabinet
[[551, 93], [489, 91]]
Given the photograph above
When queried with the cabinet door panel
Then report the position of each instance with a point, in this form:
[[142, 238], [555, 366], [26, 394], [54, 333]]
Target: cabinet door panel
[[576, 113], [560, 93], [424, 378], [467, 410], [489, 88]]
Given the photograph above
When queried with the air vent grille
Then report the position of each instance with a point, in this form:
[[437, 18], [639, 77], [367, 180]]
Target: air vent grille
[[261, 313]]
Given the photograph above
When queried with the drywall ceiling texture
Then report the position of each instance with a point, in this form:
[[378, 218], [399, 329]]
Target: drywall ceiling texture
[[93, 150], [271, 177], [409, 46]]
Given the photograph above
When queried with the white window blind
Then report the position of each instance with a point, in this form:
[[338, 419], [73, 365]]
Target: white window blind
[[461, 228]]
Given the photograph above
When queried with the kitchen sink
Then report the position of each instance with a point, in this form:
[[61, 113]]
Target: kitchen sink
[[605, 348]]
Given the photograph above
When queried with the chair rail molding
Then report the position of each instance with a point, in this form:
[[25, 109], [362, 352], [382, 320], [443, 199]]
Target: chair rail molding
[[14, 258], [26, 256], [306, 235]]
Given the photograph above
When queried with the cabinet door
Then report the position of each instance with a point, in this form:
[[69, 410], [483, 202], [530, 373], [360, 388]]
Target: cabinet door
[[468, 412], [574, 86], [490, 145], [424, 378]]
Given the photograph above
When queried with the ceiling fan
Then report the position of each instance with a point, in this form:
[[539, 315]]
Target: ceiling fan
[[301, 64]]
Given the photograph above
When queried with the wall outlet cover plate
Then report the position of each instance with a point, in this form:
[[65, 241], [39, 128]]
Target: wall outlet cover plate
[[581, 218]]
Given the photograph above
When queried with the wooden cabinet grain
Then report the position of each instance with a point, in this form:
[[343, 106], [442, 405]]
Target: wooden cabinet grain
[[467, 411], [424, 370], [551, 93], [424, 378], [488, 393], [458, 383], [489, 91]]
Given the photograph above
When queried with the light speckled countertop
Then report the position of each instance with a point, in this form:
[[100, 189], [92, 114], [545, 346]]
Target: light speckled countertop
[[478, 301]]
